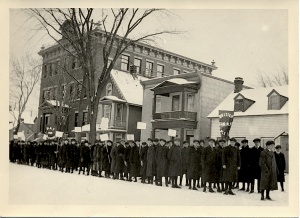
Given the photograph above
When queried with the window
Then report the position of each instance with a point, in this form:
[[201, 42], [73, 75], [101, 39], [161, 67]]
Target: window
[[149, 68], [63, 88], [47, 95], [45, 70], [158, 104], [106, 111], [118, 137], [55, 66], [44, 95], [54, 93], [50, 69], [119, 111], [84, 118], [76, 119], [78, 90], [47, 119], [274, 101], [41, 123], [176, 71], [190, 102], [27, 131], [138, 64], [125, 62], [239, 105], [175, 102], [160, 70], [109, 89]]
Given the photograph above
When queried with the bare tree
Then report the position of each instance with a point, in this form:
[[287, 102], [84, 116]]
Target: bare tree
[[24, 76], [79, 36], [278, 78]]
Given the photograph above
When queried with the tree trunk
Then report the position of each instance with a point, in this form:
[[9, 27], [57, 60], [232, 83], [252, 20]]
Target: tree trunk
[[17, 127]]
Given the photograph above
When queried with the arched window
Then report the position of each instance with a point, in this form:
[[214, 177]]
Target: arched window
[[109, 89]]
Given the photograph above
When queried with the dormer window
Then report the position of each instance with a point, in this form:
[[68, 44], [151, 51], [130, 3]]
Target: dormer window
[[275, 100], [109, 89], [241, 104]]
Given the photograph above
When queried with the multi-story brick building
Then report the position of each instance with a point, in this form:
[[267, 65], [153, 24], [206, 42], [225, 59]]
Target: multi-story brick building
[[150, 62], [258, 113], [182, 102]]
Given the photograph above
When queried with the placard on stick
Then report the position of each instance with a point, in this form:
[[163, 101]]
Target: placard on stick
[[172, 132], [77, 129], [104, 137], [141, 125], [130, 137], [104, 123], [59, 134]]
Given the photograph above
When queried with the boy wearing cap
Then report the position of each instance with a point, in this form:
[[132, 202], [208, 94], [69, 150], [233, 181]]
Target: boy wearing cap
[[280, 162], [267, 163], [162, 161], [151, 166], [220, 183], [255, 154], [231, 163], [143, 157], [244, 171], [184, 154], [175, 162]]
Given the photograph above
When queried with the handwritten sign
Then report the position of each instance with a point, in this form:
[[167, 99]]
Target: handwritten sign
[[77, 129], [104, 137], [172, 132], [130, 137], [104, 123], [59, 134], [141, 125]]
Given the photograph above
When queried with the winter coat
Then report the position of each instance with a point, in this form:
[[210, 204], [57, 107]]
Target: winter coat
[[113, 155], [194, 163], [119, 167], [44, 155], [143, 158], [97, 158], [162, 161], [126, 169], [280, 162], [243, 173], [51, 154], [175, 161], [184, 155], [151, 164], [26, 152], [255, 171], [106, 161], [231, 159], [62, 155], [134, 160], [85, 156], [70, 155], [209, 164], [219, 164], [267, 163]]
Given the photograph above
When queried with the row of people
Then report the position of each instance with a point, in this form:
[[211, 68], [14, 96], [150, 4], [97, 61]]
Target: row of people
[[216, 163]]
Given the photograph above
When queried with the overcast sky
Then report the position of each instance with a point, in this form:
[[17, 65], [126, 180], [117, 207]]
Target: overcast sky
[[242, 42]]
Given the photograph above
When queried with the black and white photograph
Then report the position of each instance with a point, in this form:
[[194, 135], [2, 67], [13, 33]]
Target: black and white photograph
[[150, 109]]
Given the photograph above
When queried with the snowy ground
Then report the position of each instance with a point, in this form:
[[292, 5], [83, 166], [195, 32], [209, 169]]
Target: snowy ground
[[33, 186]]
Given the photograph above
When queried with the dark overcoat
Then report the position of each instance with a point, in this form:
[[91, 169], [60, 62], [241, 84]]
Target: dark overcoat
[[184, 155], [62, 155], [97, 158], [134, 160], [119, 168], [209, 164], [175, 161], [151, 165], [162, 161], [219, 164], [85, 156], [267, 163], [44, 155], [113, 155], [143, 157], [243, 175], [231, 159], [194, 163], [106, 158], [255, 171], [32, 153], [126, 158], [51, 154], [280, 162]]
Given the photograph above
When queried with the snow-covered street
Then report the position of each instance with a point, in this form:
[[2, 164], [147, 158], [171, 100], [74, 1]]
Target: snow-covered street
[[33, 186]]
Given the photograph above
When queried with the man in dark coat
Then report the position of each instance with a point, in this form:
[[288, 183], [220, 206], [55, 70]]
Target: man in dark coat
[[184, 154], [255, 168], [70, 156], [51, 154], [127, 162], [143, 156], [85, 157], [32, 153], [244, 176], [151, 165], [38, 152], [194, 164], [219, 149], [267, 163], [106, 162], [162, 162], [97, 158], [134, 161], [175, 160], [231, 163], [209, 165], [120, 159], [26, 148], [280, 162], [202, 146], [113, 155], [62, 158]]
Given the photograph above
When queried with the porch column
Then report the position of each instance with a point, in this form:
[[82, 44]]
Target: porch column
[[181, 136], [154, 106], [183, 100], [112, 114]]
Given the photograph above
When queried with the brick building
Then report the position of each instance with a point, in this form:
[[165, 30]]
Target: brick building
[[182, 102], [150, 62], [258, 113]]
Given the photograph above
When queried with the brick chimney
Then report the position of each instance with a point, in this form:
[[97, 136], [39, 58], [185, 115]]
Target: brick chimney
[[238, 84]]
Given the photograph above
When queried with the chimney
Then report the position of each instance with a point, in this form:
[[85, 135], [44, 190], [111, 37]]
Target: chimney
[[238, 84]]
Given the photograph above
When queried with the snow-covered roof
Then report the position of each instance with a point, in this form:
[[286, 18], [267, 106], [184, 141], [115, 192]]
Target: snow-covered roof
[[259, 107], [178, 81], [129, 87], [26, 115], [56, 103], [113, 98]]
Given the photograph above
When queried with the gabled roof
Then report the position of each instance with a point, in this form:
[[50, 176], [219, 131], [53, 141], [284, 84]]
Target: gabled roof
[[177, 81], [129, 87], [260, 107], [52, 103], [112, 98]]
